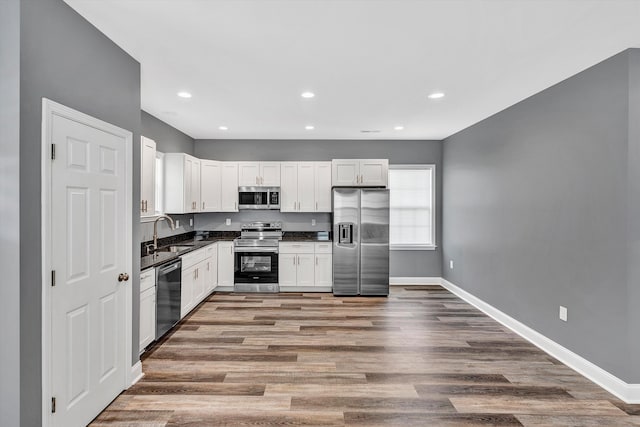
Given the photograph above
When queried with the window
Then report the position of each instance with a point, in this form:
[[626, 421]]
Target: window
[[159, 183], [412, 207]]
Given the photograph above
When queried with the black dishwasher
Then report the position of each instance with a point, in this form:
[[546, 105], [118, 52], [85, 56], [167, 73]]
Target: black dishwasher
[[168, 294]]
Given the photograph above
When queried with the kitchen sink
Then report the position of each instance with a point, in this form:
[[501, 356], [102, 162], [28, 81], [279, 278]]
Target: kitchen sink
[[175, 249]]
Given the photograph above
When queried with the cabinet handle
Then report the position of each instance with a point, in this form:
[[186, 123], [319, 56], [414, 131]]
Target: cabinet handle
[[202, 205], [316, 260], [141, 205], [316, 206], [294, 260]]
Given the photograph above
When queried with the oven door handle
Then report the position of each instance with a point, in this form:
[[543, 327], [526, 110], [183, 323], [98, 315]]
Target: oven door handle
[[245, 249]]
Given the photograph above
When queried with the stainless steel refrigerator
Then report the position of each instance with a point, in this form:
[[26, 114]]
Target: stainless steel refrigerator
[[360, 241]]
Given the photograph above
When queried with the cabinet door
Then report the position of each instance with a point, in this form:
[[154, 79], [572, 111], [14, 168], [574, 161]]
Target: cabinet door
[[195, 184], [324, 270], [287, 267], [147, 177], [186, 292], [188, 182], [225, 263], [289, 187], [248, 174], [147, 318], [212, 259], [210, 185], [200, 282], [229, 187], [374, 172], [306, 187], [305, 272], [323, 187], [269, 174], [344, 172]]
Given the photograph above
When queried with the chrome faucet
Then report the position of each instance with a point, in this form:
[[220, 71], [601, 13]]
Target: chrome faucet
[[155, 229]]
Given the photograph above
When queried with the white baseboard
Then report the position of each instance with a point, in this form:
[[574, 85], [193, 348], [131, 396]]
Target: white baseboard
[[399, 281], [629, 393], [136, 372]]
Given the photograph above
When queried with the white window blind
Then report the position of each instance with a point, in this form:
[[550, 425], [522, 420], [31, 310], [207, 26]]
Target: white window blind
[[411, 205]]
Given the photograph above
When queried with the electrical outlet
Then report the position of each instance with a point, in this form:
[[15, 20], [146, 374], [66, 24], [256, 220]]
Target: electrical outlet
[[563, 313], [228, 221], [451, 264], [177, 223], [191, 222], [313, 222]]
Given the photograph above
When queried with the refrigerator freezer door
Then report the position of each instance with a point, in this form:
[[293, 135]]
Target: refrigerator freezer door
[[374, 242], [346, 249]]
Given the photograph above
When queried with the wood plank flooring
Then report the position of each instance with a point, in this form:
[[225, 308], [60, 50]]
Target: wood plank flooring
[[421, 357]]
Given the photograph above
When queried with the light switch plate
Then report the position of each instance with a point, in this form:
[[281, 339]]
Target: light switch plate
[[177, 223], [313, 222], [563, 313], [451, 264], [228, 221], [191, 222]]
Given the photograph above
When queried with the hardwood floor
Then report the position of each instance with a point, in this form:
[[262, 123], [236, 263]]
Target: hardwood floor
[[421, 357]]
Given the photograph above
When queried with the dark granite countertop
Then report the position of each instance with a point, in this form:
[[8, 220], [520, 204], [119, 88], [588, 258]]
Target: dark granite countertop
[[195, 240], [306, 236]]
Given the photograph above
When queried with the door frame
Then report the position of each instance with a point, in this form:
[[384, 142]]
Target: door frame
[[49, 110]]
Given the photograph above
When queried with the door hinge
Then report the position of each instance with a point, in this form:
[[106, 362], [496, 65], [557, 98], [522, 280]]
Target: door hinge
[[53, 405], [53, 151], [53, 277]]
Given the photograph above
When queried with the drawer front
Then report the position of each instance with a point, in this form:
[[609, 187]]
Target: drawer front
[[296, 248], [324, 248], [148, 279], [193, 257]]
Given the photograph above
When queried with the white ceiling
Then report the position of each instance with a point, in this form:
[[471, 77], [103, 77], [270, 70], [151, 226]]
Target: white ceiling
[[371, 63]]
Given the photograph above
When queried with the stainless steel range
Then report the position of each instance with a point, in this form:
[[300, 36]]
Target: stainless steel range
[[256, 257]]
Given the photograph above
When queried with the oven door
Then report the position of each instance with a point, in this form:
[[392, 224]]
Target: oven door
[[256, 265]]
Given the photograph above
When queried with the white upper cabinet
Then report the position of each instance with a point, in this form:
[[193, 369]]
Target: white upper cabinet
[[181, 183], [251, 174], [210, 186], [228, 187], [360, 172], [147, 177], [306, 187]]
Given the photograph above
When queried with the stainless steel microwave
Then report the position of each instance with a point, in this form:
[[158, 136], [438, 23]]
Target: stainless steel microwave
[[259, 197]]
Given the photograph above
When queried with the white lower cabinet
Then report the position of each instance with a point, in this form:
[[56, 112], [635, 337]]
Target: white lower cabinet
[[147, 308], [305, 264], [225, 263], [198, 277]]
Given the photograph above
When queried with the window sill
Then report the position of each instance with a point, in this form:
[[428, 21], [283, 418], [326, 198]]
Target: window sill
[[413, 247]]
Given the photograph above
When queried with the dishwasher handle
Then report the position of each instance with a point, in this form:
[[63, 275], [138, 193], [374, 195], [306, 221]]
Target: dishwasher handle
[[169, 268]]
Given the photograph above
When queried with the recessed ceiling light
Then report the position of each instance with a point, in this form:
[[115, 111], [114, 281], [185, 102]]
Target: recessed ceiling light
[[223, 128], [309, 127], [436, 95], [307, 94], [398, 128], [184, 94]]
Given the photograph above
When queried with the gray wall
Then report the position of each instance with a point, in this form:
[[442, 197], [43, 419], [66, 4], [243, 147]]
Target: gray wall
[[402, 263], [10, 212], [168, 139], [66, 59], [536, 215]]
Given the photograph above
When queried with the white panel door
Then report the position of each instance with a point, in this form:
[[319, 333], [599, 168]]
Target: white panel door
[[210, 182], [248, 174], [147, 177], [323, 187], [269, 174], [88, 247], [324, 270], [305, 273], [345, 172], [374, 172], [195, 184], [225, 263], [289, 187], [287, 267], [306, 187], [229, 187]]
